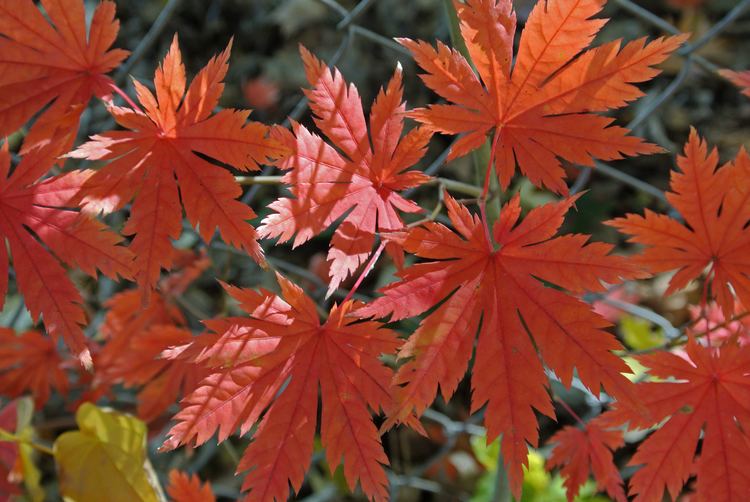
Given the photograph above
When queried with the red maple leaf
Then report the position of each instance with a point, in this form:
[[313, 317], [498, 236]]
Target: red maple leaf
[[708, 391], [9, 453], [185, 488], [363, 180], [501, 284], [715, 206], [55, 63], [41, 228], [161, 144], [30, 363], [274, 362], [543, 108], [579, 451]]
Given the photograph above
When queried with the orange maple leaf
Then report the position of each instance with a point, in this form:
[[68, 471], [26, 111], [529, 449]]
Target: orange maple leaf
[[708, 391], [739, 78], [274, 362], [474, 279], [53, 63], [715, 205], [30, 363], [161, 144], [40, 226], [543, 107], [364, 181], [588, 449], [186, 488]]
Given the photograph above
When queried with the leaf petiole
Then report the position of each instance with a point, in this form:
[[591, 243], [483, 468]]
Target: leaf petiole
[[13, 438]]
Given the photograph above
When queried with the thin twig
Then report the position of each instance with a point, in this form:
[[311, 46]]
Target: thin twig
[[333, 5], [148, 40], [678, 341], [456, 186], [629, 180], [258, 180], [433, 168], [14, 438], [662, 97], [717, 28], [644, 313], [380, 39], [353, 14], [655, 20]]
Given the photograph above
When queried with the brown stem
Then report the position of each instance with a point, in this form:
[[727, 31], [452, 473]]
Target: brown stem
[[570, 411]]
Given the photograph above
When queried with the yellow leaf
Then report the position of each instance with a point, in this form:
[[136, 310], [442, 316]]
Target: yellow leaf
[[26, 453], [106, 459]]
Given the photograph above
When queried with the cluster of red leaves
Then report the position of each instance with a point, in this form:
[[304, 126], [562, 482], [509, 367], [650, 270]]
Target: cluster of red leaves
[[30, 363], [516, 284], [715, 206], [707, 391], [500, 284], [588, 449], [136, 338], [706, 388]]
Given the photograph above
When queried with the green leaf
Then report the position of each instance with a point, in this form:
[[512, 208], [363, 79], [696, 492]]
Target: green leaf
[[106, 458], [639, 334]]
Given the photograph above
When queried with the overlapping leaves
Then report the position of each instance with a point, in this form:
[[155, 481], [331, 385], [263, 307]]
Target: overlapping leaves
[[157, 153], [42, 229], [267, 371], [137, 336], [702, 394], [499, 285]]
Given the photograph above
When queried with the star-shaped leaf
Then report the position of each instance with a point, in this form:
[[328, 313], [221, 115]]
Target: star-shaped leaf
[[158, 153], [523, 320], [544, 107], [715, 206], [275, 361], [361, 183]]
